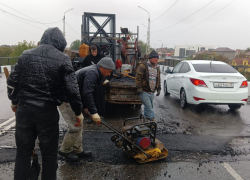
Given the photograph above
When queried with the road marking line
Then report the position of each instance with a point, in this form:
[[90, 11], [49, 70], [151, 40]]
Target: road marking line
[[6, 122], [8, 127], [232, 171]]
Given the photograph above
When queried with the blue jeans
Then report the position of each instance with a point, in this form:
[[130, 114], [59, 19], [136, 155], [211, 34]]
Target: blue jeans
[[147, 100]]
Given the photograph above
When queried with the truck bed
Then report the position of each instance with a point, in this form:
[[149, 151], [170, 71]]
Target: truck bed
[[122, 91]]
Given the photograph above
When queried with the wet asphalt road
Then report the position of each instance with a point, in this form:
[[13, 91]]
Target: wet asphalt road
[[203, 144]]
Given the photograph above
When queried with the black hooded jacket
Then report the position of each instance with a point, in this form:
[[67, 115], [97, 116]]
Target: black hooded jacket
[[42, 73], [89, 80], [90, 58]]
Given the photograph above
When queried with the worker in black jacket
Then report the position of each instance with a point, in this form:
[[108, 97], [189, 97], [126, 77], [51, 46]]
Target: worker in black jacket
[[89, 80], [94, 57], [35, 90]]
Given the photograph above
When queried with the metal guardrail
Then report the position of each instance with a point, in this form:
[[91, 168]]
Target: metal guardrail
[[8, 61]]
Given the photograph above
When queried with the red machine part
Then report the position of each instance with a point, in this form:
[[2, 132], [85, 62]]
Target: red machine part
[[145, 143]]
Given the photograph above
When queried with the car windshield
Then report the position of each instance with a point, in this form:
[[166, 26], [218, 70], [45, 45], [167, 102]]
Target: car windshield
[[214, 68]]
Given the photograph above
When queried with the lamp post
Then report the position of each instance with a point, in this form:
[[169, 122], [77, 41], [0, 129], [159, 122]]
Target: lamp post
[[161, 43], [64, 21], [148, 33], [162, 48]]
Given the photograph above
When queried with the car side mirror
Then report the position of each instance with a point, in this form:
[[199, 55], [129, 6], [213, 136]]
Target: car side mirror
[[168, 71]]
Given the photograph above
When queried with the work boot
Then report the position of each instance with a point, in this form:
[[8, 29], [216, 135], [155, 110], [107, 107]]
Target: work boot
[[69, 156], [84, 154]]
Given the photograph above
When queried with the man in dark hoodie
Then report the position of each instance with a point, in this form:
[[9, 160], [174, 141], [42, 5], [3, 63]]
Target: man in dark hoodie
[[94, 57], [35, 90]]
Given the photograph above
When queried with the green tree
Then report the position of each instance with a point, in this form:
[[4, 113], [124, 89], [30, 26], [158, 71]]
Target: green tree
[[221, 58], [204, 56], [241, 55], [22, 46], [143, 46], [75, 45], [5, 51], [248, 50]]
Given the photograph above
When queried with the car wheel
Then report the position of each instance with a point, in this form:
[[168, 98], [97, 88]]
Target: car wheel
[[183, 99], [165, 89], [234, 106]]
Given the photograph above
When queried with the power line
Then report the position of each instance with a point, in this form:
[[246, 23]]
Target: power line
[[165, 11], [72, 28], [185, 18], [19, 27], [27, 19], [24, 21], [16, 11], [204, 19]]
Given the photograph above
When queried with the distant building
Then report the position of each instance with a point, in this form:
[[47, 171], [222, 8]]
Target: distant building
[[241, 64], [163, 52], [226, 52], [5, 45], [247, 54], [182, 51], [201, 52]]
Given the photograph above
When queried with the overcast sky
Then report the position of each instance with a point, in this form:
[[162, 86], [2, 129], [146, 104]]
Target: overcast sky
[[219, 23]]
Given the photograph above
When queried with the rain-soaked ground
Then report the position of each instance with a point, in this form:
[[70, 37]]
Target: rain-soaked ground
[[210, 143]]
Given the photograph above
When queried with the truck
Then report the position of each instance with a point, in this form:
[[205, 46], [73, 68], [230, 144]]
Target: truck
[[123, 46]]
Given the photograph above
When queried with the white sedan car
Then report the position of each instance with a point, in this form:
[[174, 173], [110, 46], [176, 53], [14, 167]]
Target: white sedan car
[[206, 82]]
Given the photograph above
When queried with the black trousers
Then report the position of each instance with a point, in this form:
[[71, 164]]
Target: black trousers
[[33, 122], [99, 100]]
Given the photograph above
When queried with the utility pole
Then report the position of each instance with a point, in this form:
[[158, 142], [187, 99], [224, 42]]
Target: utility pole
[[64, 21], [148, 33], [162, 49], [148, 40]]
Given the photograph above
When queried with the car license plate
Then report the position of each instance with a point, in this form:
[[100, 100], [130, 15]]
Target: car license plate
[[223, 85]]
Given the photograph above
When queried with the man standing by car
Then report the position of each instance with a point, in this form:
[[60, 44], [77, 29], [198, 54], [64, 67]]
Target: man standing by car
[[148, 81], [35, 90]]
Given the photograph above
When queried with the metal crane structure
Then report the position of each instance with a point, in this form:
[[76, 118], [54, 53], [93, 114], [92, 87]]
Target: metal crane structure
[[106, 40]]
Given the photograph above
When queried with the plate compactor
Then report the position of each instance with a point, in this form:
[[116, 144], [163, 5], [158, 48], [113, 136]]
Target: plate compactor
[[138, 140]]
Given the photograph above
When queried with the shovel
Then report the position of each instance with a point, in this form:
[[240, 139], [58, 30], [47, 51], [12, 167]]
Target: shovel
[[35, 167]]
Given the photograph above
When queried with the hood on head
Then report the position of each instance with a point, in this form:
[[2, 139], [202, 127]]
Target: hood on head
[[54, 37], [98, 49]]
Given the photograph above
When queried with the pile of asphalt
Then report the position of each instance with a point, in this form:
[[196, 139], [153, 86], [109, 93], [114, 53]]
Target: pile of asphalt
[[123, 79]]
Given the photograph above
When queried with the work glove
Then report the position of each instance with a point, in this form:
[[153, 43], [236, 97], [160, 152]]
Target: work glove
[[139, 91], [79, 120], [13, 107], [96, 118], [158, 93], [105, 82]]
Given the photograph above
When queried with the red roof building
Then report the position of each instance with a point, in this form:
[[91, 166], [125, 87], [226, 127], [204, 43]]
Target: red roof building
[[241, 61]]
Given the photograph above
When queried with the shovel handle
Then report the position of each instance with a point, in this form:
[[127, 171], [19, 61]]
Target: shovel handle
[[6, 72]]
